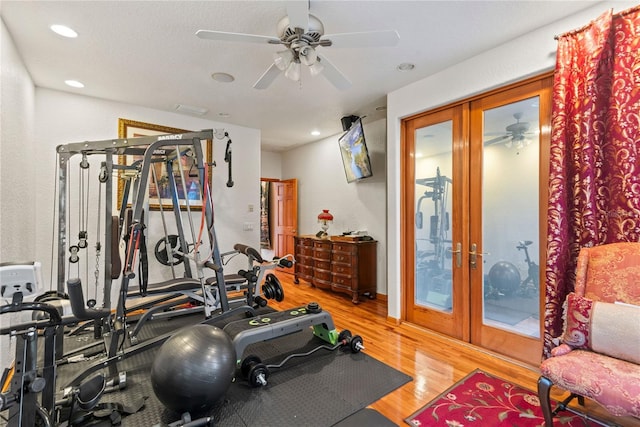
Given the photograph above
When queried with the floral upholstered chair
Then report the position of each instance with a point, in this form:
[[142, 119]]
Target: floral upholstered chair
[[599, 357]]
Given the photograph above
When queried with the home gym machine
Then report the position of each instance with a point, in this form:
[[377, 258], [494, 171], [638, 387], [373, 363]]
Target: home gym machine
[[181, 156], [432, 277]]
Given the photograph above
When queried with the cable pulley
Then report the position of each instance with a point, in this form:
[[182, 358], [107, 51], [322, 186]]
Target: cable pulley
[[82, 239], [103, 176], [73, 258]]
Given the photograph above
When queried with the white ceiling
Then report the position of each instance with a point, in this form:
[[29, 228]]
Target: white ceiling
[[146, 53]]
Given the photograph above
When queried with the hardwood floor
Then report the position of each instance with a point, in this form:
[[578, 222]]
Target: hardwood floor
[[434, 361]]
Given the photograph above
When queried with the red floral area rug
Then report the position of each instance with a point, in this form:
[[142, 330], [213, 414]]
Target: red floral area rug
[[480, 399]]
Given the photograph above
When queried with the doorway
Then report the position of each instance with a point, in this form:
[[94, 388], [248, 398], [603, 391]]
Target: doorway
[[279, 217], [474, 182]]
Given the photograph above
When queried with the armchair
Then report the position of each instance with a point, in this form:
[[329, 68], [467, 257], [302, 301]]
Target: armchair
[[599, 357]]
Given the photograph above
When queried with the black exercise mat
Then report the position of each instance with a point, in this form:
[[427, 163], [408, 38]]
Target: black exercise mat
[[318, 390], [366, 417]]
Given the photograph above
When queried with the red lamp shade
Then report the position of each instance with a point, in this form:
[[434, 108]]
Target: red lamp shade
[[325, 216]]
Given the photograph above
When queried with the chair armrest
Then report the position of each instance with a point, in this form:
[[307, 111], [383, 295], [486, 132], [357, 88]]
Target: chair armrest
[[560, 350]]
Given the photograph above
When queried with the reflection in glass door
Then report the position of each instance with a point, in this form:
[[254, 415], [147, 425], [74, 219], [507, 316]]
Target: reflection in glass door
[[510, 186], [433, 166], [437, 298]]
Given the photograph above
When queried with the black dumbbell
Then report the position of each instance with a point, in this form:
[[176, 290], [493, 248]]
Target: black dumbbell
[[354, 342], [254, 371]]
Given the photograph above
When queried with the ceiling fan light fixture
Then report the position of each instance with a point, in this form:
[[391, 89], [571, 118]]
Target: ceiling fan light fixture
[[283, 59], [300, 33], [316, 68], [293, 71], [308, 55]]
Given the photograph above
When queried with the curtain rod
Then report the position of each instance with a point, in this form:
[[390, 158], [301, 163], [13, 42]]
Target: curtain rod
[[584, 27]]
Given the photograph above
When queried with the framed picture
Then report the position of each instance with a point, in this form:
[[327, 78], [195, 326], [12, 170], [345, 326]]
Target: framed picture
[[158, 188]]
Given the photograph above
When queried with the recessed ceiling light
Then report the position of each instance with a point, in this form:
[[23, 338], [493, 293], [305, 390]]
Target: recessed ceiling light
[[222, 77], [315, 132], [405, 66], [74, 83], [64, 31]]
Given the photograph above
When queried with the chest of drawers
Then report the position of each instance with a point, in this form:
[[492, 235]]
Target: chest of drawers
[[342, 266]]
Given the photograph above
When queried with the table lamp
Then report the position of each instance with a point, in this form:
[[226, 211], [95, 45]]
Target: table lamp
[[324, 219]]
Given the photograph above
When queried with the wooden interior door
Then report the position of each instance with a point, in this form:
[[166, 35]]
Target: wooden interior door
[[285, 213], [436, 277]]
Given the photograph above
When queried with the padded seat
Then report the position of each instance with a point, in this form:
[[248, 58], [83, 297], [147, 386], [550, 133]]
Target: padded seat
[[185, 284], [613, 383], [229, 279], [167, 287]]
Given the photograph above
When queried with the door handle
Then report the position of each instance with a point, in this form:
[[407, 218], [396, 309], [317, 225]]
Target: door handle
[[458, 254], [474, 254]]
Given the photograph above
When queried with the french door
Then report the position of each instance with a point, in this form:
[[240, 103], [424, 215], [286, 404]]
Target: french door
[[474, 185], [435, 177]]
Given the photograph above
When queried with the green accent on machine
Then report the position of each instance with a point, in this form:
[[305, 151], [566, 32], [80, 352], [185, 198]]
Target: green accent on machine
[[321, 331]]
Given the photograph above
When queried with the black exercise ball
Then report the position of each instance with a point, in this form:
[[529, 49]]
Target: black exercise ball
[[194, 368], [504, 277]]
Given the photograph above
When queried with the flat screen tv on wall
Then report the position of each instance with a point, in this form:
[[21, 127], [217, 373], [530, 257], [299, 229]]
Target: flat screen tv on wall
[[355, 156]]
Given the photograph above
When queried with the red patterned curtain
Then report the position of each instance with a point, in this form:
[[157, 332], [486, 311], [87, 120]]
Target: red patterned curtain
[[594, 182]]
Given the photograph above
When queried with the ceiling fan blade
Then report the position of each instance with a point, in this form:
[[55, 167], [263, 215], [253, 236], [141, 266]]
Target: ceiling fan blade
[[497, 140], [298, 12], [236, 37], [267, 77], [335, 76], [364, 39]]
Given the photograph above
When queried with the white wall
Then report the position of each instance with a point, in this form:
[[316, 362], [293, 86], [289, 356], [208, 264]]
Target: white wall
[[270, 165], [322, 184], [525, 56], [17, 173], [63, 118]]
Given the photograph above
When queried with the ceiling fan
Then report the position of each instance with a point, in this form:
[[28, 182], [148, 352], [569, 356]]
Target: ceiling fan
[[515, 134], [301, 34]]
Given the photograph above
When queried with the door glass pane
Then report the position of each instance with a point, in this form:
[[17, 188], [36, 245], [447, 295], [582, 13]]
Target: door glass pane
[[433, 189], [510, 217]]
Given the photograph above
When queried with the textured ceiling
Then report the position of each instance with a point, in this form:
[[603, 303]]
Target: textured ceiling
[[146, 53]]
